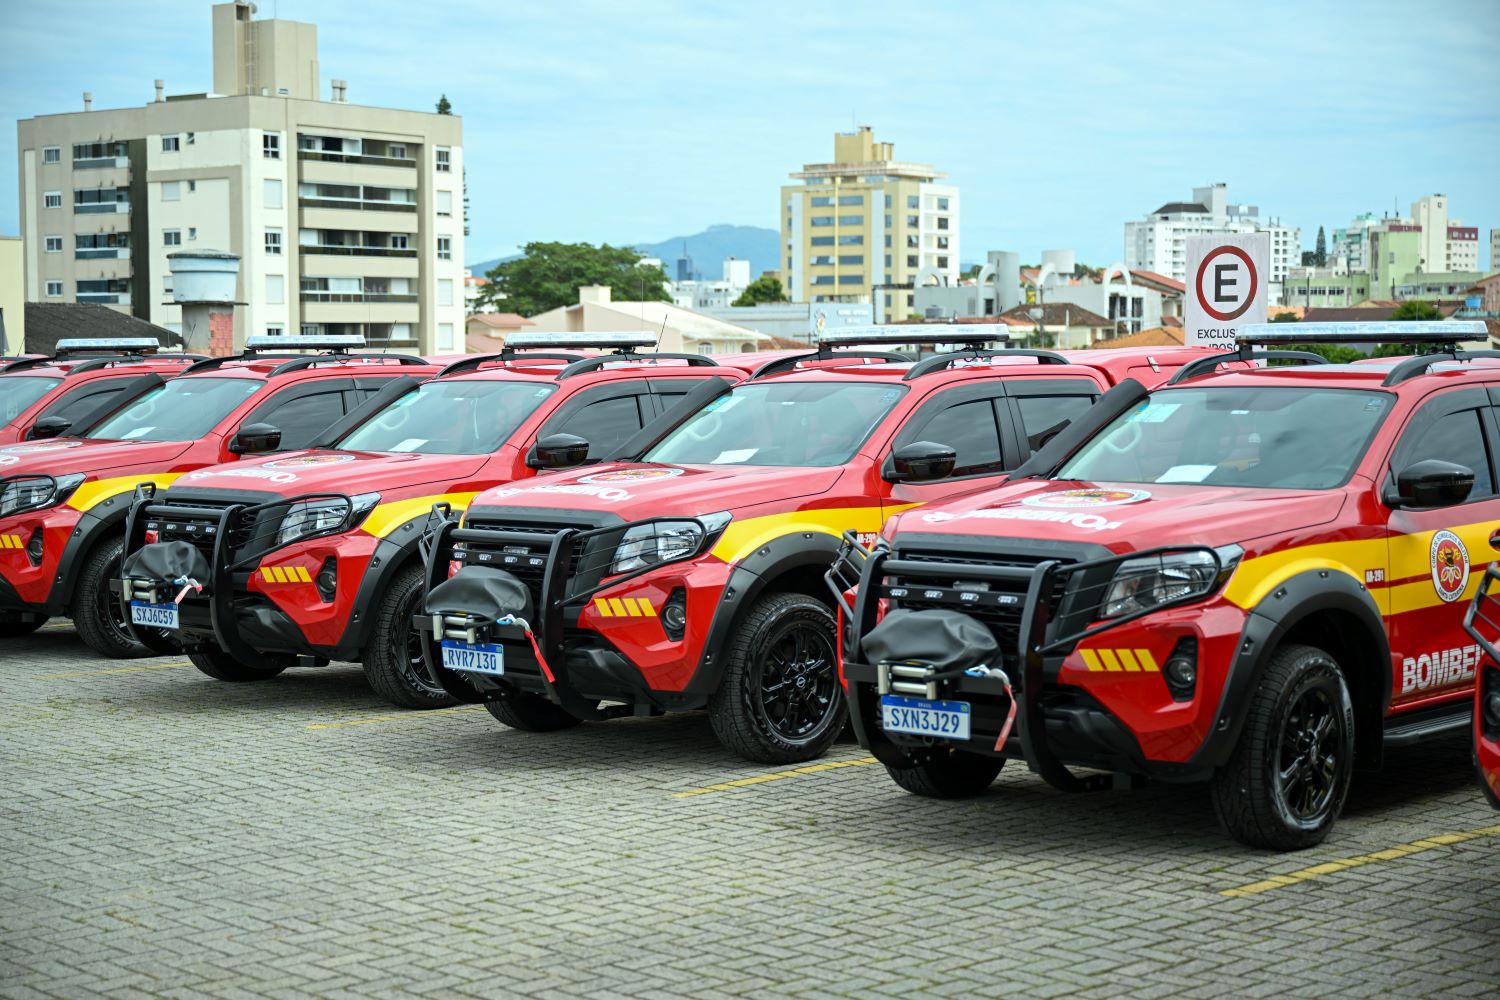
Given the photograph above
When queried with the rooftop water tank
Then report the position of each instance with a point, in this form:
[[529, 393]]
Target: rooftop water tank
[[203, 275]]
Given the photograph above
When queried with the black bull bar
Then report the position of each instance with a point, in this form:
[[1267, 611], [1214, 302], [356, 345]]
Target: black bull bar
[[1045, 587], [234, 538]]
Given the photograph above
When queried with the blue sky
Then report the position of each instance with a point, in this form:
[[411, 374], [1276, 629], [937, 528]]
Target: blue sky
[[604, 121]]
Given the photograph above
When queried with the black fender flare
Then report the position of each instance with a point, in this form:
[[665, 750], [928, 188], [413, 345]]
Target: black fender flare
[[1266, 626], [393, 552], [94, 525], [747, 581]]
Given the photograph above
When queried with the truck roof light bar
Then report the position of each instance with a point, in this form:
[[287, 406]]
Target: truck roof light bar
[[917, 333], [1391, 332], [623, 343], [118, 345], [333, 344]]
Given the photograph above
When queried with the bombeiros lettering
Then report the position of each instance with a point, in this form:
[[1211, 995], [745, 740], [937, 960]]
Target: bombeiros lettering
[[1446, 668]]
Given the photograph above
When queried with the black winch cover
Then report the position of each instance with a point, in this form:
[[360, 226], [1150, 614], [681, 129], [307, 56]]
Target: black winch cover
[[167, 562], [481, 590], [947, 640]]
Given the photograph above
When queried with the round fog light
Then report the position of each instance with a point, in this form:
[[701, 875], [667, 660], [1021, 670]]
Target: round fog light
[[1182, 672], [1492, 708], [674, 617]]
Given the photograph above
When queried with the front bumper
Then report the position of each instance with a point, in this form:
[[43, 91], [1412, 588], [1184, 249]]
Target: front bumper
[[1087, 694], [43, 585]]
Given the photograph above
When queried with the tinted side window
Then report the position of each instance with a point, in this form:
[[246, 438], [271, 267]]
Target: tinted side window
[[971, 431], [71, 406], [603, 424], [1459, 438], [302, 419], [1043, 416]]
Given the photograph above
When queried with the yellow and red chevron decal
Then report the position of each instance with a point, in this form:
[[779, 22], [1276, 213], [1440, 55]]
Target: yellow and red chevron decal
[[387, 517], [12, 542], [743, 537], [624, 607], [90, 495], [285, 574], [1128, 660]]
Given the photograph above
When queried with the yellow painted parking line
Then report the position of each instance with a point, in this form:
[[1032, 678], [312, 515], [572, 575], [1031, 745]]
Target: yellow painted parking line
[[757, 779], [403, 717], [114, 670], [1344, 864]]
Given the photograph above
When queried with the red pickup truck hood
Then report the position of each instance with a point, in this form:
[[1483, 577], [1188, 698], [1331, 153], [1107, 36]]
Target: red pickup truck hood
[[639, 490], [294, 473], [1124, 517], [99, 459]]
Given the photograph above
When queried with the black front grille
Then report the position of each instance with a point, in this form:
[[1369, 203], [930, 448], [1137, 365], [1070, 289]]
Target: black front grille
[[527, 562], [195, 521]]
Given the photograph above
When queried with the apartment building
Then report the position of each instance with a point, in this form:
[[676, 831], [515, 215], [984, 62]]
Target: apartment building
[[1159, 242], [347, 219], [867, 226]]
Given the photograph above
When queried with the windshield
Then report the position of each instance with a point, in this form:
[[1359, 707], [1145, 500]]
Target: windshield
[[1275, 438], [472, 417], [182, 410], [803, 424], [19, 391]]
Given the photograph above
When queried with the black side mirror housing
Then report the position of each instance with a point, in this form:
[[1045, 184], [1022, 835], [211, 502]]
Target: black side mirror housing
[[558, 451], [254, 439], [921, 462], [1432, 483], [50, 427]]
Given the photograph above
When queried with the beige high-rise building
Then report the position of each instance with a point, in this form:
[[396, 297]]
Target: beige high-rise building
[[347, 219], [867, 227]]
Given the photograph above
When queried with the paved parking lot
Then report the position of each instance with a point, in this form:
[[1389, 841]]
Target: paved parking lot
[[167, 835]]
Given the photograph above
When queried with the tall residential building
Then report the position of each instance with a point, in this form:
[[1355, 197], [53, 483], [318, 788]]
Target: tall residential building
[[1446, 244], [348, 219], [1495, 250], [867, 226], [1158, 242]]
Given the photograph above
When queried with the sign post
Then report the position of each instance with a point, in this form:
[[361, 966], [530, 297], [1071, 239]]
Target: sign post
[[1226, 287]]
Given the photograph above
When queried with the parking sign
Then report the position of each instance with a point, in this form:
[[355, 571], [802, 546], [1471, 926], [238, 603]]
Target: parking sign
[[1227, 278]]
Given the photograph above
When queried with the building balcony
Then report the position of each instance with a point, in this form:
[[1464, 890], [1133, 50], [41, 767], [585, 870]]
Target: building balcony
[[334, 307], [97, 162], [332, 214], [102, 208], [357, 297], [106, 253], [105, 298], [379, 161], [359, 267], [376, 171], [347, 251], [355, 205]]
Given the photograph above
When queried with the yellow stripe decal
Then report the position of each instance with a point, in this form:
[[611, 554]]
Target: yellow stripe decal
[[1148, 662], [279, 574], [647, 609], [616, 608], [92, 494], [601, 605], [743, 537], [1127, 660], [1108, 657], [387, 517], [1091, 659]]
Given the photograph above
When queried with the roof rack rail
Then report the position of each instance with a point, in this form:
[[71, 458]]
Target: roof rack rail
[[476, 361], [939, 362], [307, 361], [825, 353], [92, 364], [1203, 366], [1410, 368], [585, 365]]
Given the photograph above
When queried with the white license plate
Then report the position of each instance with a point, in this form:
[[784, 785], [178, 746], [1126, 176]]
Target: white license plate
[[944, 719], [154, 615], [480, 658]]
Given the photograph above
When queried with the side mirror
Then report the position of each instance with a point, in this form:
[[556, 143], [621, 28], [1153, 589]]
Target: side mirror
[[558, 451], [50, 427], [253, 439], [921, 462], [1432, 483]]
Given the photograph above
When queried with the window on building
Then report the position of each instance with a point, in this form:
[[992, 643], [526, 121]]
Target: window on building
[[851, 258], [171, 190], [822, 279], [821, 220], [192, 232], [887, 301], [191, 138], [51, 154], [942, 222], [400, 241], [192, 186], [913, 201], [821, 201], [822, 241], [166, 285], [913, 222], [445, 291], [851, 220], [887, 201], [273, 242], [396, 151], [270, 193], [444, 161], [275, 329], [942, 263], [825, 260], [275, 289], [888, 220], [888, 241], [851, 199], [310, 329], [851, 279], [54, 289], [445, 248], [911, 260], [444, 202], [887, 262], [851, 241], [942, 242], [54, 244], [270, 145], [170, 143], [445, 337], [52, 199], [912, 241], [171, 237], [942, 204]]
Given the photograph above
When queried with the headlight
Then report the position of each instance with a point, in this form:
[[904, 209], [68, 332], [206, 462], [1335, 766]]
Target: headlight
[[37, 492], [311, 517], [1151, 581], [657, 542]]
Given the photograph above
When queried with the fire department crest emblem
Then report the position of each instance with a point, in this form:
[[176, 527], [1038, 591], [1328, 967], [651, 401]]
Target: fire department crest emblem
[[1072, 499], [1450, 566], [304, 461], [630, 475]]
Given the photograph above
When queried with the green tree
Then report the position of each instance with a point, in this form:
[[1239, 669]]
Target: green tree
[[1320, 249], [1415, 310], [766, 288], [1336, 354], [1284, 317], [443, 107], [548, 276]]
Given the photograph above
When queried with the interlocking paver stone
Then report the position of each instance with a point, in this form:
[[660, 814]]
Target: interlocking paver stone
[[162, 834]]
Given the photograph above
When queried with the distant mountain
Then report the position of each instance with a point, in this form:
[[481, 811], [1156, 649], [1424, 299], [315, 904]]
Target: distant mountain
[[761, 247]]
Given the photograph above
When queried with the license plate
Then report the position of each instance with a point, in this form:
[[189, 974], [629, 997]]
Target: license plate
[[154, 615], [944, 719], [480, 658]]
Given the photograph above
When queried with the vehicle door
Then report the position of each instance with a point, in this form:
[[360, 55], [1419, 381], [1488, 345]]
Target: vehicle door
[[1437, 556], [92, 397], [603, 415], [302, 410]]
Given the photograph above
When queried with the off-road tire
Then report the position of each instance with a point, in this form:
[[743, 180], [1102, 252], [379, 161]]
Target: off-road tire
[[14, 624], [222, 667], [948, 774], [1250, 799], [96, 611], [736, 710], [388, 656], [531, 713]]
